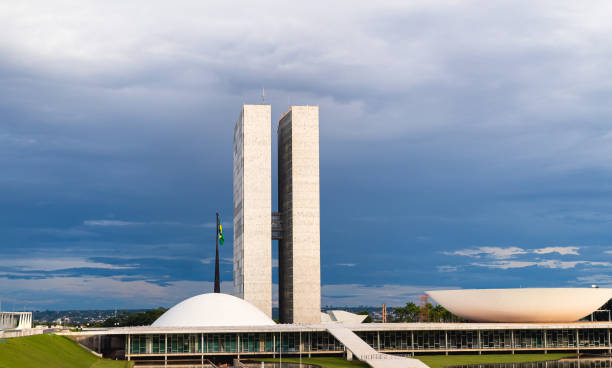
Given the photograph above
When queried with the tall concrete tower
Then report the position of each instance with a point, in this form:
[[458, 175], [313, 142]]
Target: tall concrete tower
[[253, 207], [298, 201]]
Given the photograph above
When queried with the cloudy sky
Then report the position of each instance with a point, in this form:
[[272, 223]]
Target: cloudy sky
[[464, 144]]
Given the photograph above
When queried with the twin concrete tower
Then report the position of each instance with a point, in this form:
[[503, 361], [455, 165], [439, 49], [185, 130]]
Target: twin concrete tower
[[296, 225]]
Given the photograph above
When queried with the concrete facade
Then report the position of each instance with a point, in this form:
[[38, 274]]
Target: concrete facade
[[253, 207], [298, 198], [15, 320]]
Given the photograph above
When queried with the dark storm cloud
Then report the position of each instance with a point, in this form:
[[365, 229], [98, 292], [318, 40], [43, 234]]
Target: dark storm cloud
[[445, 127]]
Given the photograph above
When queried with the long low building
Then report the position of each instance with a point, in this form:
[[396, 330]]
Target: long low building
[[15, 320], [176, 343]]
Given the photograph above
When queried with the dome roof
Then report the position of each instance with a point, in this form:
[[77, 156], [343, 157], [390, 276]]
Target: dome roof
[[213, 309], [522, 305]]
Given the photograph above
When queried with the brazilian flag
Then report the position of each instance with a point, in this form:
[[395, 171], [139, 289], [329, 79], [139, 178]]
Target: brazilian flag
[[220, 231]]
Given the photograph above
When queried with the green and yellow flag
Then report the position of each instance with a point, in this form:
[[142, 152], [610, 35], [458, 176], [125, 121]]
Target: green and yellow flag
[[220, 230]]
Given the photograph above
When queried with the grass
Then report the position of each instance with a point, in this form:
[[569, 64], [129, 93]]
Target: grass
[[50, 351], [433, 361], [325, 362], [439, 361]]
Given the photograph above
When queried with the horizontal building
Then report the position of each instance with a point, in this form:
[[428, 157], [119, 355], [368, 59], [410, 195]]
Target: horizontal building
[[172, 343], [15, 320]]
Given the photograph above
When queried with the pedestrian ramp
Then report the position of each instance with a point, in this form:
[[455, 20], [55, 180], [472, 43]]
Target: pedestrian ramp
[[364, 352]]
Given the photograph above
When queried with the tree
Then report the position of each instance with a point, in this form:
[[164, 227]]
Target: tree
[[145, 318], [409, 313], [412, 313]]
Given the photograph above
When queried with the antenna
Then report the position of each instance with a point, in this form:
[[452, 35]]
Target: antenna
[[263, 95]]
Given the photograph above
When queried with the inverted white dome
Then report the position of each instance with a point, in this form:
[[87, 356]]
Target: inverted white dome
[[522, 305], [214, 309]]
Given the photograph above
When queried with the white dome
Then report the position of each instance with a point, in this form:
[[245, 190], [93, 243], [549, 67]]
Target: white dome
[[213, 309]]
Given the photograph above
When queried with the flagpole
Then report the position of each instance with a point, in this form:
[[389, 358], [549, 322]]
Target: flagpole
[[217, 283]]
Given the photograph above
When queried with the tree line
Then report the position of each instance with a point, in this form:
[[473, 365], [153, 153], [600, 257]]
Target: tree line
[[429, 313], [145, 318]]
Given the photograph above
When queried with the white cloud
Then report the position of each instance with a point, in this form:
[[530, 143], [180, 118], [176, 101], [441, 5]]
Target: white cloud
[[346, 264], [447, 268], [359, 294], [511, 252], [68, 233], [111, 223], [211, 260], [504, 265], [56, 264], [102, 291], [120, 223], [561, 264], [555, 264], [561, 250], [601, 280], [493, 252]]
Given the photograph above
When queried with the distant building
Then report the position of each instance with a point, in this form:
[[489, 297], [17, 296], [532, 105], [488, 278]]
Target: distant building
[[253, 207], [15, 320], [296, 224], [298, 201]]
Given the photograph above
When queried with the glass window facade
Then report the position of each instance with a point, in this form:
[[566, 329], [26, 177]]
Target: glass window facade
[[560, 338], [462, 339], [593, 337], [495, 339], [528, 339], [390, 341]]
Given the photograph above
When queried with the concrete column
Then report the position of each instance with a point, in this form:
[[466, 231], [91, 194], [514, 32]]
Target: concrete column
[[609, 343], [412, 342], [378, 341], [577, 342], [202, 347], [273, 345], [309, 344], [479, 345], [129, 349], [238, 344], [512, 340], [446, 342], [165, 350], [545, 342], [301, 345]]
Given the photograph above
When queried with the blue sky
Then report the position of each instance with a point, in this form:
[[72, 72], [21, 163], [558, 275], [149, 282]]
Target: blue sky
[[464, 144]]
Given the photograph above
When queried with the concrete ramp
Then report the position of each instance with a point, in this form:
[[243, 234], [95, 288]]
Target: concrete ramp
[[364, 352]]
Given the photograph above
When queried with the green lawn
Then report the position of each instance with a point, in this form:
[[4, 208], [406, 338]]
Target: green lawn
[[325, 362], [50, 351], [433, 361], [439, 361]]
